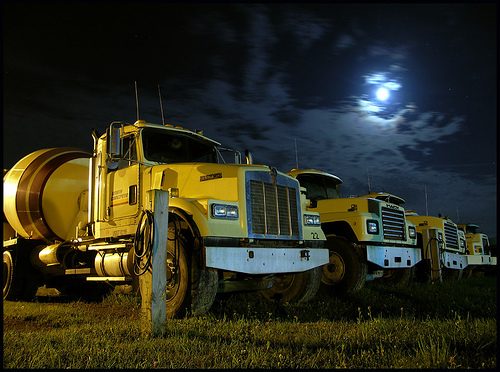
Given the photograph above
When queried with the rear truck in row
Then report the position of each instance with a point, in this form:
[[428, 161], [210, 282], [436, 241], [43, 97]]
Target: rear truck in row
[[443, 247], [441, 242], [367, 238], [478, 250], [81, 222]]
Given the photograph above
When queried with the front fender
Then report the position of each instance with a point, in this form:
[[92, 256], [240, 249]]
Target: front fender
[[199, 211]]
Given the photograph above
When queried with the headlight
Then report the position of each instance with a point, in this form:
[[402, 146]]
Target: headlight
[[372, 227], [462, 243], [412, 233], [312, 220], [440, 241], [224, 211]]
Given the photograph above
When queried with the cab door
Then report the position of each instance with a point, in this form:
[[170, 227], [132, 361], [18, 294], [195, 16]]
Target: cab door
[[122, 209], [122, 197]]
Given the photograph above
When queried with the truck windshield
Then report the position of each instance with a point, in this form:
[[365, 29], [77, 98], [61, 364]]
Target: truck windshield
[[319, 187], [169, 147], [471, 229]]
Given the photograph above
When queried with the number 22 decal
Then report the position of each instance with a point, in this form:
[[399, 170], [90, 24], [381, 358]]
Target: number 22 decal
[[315, 235]]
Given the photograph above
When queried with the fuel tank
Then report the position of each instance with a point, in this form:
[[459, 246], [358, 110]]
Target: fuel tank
[[45, 194]]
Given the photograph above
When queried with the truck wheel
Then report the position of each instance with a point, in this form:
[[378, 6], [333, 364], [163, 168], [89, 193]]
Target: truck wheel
[[397, 277], [468, 272], [298, 287], [18, 284], [12, 284], [204, 284], [479, 273], [451, 274], [190, 289], [423, 271], [346, 272]]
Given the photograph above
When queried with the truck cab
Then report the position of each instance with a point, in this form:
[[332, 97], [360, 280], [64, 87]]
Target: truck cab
[[443, 247], [478, 251]]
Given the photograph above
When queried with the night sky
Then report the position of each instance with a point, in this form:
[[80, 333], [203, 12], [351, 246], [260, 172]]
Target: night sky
[[273, 78]]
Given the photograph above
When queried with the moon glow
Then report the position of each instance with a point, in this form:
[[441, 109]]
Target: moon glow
[[382, 94]]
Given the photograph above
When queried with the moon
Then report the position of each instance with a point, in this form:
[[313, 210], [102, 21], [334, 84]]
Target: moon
[[382, 94]]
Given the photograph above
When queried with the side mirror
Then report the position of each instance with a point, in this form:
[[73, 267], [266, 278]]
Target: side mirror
[[114, 144]]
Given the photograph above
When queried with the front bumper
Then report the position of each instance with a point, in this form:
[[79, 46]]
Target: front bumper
[[265, 260], [389, 257], [478, 259], [454, 260]]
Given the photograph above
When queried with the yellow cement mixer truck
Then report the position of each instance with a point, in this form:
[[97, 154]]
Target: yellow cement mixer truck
[[80, 222], [367, 238], [441, 242]]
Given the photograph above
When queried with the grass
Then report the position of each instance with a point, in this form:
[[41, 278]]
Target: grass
[[448, 325]]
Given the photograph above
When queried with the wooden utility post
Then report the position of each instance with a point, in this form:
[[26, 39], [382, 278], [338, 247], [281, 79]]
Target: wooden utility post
[[431, 253], [153, 282]]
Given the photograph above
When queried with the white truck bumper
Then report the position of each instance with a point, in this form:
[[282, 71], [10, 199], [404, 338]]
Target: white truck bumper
[[393, 257], [478, 259], [266, 260], [454, 260]]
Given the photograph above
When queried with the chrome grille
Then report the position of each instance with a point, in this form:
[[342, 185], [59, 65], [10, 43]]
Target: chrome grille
[[451, 235], [393, 223], [273, 210]]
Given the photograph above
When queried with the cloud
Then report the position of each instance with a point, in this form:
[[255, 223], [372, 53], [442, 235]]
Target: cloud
[[305, 28], [344, 41], [382, 79], [349, 144]]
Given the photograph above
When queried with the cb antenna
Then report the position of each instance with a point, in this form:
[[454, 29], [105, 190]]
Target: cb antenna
[[136, 100], [368, 175], [296, 156], [426, 205], [161, 106]]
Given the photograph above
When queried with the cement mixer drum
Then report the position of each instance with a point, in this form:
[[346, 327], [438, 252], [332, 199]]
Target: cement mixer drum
[[44, 193]]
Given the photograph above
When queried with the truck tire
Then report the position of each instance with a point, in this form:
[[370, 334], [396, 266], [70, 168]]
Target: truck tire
[[397, 277], [479, 273], [347, 270], [190, 289], [18, 284], [468, 272], [451, 274], [423, 271], [12, 283], [203, 294], [298, 287]]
